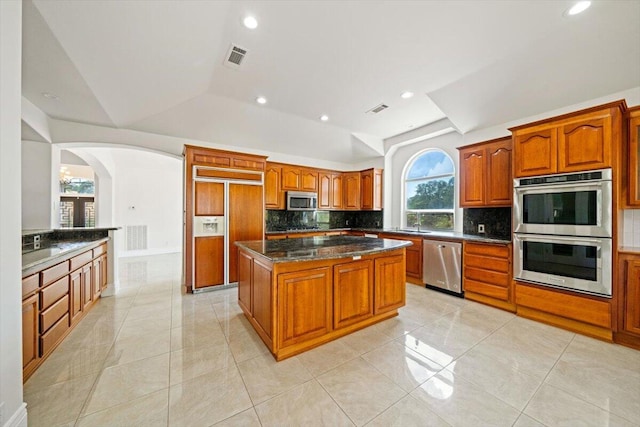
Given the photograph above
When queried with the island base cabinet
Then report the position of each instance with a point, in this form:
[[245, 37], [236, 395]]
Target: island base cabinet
[[303, 309], [296, 306], [30, 333]]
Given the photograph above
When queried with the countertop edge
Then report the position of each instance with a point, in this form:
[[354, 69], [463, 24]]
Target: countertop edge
[[32, 232], [58, 258]]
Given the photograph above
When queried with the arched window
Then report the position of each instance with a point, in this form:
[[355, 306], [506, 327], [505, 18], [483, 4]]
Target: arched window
[[429, 189]]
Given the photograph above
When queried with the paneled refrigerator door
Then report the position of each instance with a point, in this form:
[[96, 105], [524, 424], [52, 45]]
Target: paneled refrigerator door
[[246, 221], [209, 234]]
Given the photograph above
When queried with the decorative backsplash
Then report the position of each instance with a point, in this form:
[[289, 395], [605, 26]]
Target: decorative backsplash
[[281, 220], [497, 222]]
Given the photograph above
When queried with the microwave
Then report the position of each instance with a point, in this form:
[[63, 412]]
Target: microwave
[[577, 204], [301, 201]]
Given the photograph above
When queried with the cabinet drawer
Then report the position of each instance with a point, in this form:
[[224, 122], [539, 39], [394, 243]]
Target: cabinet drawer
[[54, 292], [30, 284], [500, 265], [49, 340], [99, 250], [54, 313], [493, 291], [80, 260], [487, 276], [487, 250], [53, 273]]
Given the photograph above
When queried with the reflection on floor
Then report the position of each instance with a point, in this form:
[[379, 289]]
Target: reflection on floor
[[152, 356]]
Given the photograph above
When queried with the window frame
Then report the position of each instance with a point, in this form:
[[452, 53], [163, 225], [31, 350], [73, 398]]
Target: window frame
[[403, 208]]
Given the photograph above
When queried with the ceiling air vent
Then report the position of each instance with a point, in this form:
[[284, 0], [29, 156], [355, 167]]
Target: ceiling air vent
[[235, 56], [377, 109]]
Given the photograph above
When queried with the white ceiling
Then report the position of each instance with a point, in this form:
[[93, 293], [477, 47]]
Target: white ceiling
[[157, 66]]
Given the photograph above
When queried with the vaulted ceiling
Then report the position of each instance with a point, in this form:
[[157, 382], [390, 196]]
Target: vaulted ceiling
[[158, 66]]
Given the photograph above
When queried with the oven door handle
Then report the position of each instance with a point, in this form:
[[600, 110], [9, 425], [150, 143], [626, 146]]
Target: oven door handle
[[545, 238]]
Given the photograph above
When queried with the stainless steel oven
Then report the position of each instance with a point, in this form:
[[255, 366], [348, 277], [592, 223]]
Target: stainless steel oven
[[577, 204], [578, 264]]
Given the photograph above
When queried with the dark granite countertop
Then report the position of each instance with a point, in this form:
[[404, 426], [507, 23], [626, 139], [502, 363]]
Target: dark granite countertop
[[433, 235], [51, 253], [32, 232], [321, 247]]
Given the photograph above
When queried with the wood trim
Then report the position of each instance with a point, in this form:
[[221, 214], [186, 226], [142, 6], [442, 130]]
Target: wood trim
[[562, 322], [483, 143], [493, 302]]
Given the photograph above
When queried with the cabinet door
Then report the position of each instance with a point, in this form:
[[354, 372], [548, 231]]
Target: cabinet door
[[366, 182], [634, 158], [30, 352], [291, 178], [336, 191], [499, 184], [377, 190], [87, 285], [273, 197], [104, 279], [76, 302], [97, 279], [324, 190], [351, 194], [536, 153], [209, 198], [209, 261], [472, 176], [414, 262], [245, 273], [262, 301], [309, 180], [390, 288], [304, 305], [246, 220], [632, 300], [352, 292], [585, 145]]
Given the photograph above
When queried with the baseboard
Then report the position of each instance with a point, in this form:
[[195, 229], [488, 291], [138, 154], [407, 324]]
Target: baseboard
[[19, 418], [147, 252]]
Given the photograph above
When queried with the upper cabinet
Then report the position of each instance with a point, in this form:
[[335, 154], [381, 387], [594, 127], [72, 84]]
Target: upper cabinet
[[329, 190], [371, 189], [633, 166], [571, 143], [295, 178], [273, 196], [351, 185], [485, 174]]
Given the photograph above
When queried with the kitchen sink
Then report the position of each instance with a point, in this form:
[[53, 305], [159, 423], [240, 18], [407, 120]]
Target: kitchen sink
[[407, 230]]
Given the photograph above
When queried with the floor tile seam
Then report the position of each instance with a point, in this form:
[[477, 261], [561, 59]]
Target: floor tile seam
[[198, 376], [332, 368], [244, 383], [64, 381], [334, 401]]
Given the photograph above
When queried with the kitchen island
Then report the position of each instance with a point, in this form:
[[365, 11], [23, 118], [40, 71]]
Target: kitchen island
[[301, 293]]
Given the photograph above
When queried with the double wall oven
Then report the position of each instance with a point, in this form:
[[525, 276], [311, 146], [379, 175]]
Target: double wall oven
[[562, 231]]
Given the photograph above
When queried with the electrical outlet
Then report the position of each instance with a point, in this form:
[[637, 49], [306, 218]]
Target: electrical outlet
[[347, 222], [480, 228]]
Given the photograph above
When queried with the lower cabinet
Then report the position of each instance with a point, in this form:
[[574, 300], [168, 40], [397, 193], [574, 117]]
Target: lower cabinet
[[389, 291], [55, 300], [487, 274], [628, 330], [414, 257], [352, 292]]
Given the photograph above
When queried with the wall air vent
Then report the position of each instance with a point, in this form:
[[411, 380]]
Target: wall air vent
[[235, 56], [377, 109]]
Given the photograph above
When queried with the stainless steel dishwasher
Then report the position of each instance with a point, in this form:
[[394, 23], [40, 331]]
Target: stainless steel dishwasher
[[441, 267]]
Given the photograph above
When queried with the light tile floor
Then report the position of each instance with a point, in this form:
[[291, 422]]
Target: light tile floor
[[153, 356]]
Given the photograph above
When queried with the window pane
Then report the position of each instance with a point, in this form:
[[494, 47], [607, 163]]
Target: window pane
[[431, 163], [430, 194], [436, 221]]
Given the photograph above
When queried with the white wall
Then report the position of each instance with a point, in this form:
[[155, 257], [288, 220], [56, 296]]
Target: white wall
[[13, 408], [40, 190]]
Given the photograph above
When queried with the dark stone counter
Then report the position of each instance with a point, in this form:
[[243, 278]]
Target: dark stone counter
[[322, 247], [52, 253]]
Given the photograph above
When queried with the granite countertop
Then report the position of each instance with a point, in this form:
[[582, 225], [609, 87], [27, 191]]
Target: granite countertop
[[32, 232], [321, 247], [54, 252], [451, 235]]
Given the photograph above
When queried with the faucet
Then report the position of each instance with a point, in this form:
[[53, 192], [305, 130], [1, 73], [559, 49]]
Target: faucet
[[417, 225]]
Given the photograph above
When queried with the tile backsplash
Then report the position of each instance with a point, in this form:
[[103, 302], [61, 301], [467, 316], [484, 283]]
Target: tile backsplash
[[497, 222], [631, 228], [280, 220]]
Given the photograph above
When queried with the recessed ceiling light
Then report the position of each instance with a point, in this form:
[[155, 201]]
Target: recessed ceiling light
[[324, 117], [250, 22], [50, 95], [406, 95], [579, 7], [261, 100]]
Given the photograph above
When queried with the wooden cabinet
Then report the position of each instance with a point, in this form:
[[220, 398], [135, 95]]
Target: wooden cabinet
[[30, 334], [337, 197], [209, 198], [413, 257], [352, 292], [299, 179], [351, 190], [304, 305], [580, 141], [371, 189], [486, 274], [325, 190], [485, 174], [211, 272], [75, 291], [633, 164], [632, 296], [389, 291], [273, 195]]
